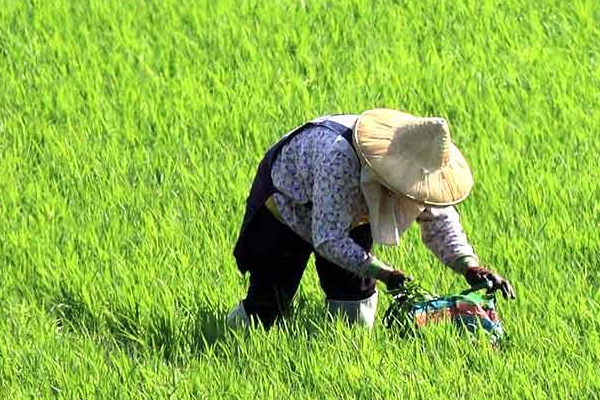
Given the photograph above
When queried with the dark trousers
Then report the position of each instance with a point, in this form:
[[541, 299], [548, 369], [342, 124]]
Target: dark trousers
[[276, 258]]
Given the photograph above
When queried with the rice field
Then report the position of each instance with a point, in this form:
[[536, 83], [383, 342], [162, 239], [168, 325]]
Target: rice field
[[129, 135]]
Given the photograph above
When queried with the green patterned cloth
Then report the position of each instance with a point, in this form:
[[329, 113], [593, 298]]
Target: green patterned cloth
[[415, 308]]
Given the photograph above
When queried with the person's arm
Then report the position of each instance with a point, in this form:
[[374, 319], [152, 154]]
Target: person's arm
[[336, 193], [442, 233]]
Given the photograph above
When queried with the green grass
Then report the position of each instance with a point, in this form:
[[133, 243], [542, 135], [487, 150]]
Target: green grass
[[129, 134]]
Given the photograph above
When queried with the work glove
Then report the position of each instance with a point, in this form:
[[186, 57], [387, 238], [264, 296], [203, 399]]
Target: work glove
[[393, 278], [478, 275], [396, 279]]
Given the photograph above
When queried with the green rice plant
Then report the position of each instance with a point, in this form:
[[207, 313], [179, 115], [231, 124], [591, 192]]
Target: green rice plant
[[129, 134]]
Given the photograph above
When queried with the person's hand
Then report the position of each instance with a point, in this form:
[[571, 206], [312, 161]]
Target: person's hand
[[394, 279], [477, 275], [397, 279]]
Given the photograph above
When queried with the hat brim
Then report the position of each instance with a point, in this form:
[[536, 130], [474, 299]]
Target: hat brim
[[394, 155]]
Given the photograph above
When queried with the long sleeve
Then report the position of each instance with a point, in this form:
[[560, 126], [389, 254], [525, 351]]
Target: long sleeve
[[442, 233], [336, 196]]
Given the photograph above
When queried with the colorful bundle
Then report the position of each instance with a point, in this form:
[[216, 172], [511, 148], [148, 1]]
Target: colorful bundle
[[414, 308]]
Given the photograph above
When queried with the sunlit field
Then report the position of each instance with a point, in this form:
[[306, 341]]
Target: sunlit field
[[129, 135]]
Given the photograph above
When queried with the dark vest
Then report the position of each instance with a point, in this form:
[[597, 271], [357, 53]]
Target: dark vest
[[262, 187]]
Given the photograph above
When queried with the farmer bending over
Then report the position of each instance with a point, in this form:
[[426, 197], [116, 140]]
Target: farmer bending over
[[334, 186]]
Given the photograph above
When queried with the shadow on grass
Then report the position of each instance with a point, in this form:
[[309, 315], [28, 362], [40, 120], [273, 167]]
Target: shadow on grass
[[209, 329], [173, 334]]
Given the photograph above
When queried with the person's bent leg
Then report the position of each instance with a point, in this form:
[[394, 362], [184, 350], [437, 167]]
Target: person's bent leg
[[346, 293], [276, 258]]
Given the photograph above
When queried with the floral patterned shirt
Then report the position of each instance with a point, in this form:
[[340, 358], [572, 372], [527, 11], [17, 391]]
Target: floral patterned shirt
[[317, 176]]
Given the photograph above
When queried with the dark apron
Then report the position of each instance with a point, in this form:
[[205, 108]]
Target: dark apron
[[263, 188]]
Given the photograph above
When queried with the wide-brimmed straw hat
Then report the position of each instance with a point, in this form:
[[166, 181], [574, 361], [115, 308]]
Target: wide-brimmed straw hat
[[413, 156]]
